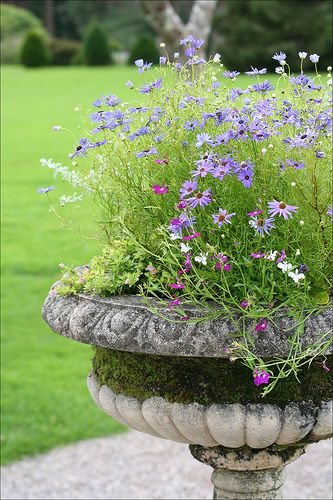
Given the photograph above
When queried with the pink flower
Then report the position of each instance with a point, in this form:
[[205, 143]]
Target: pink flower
[[261, 325], [254, 213], [191, 236], [159, 189], [226, 267], [174, 303], [184, 318], [151, 269], [177, 286], [256, 255], [244, 304], [260, 377], [282, 257], [159, 162]]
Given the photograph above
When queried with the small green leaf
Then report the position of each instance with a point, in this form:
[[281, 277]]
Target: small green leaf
[[319, 295]]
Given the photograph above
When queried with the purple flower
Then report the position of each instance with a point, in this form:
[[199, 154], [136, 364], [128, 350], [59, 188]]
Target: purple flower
[[295, 164], [201, 198], [191, 124], [303, 268], [279, 57], [191, 236], [259, 255], [203, 139], [265, 86], [246, 177], [255, 71], [112, 100], [159, 189], [231, 74], [177, 286], [188, 188], [179, 223], [148, 87], [262, 225], [222, 217], [244, 304], [190, 52], [146, 152], [314, 58], [142, 66], [81, 149], [97, 103], [129, 84], [262, 325], [330, 212], [202, 170], [163, 60], [174, 302], [260, 377], [282, 209], [45, 190], [320, 154], [282, 257], [254, 213]]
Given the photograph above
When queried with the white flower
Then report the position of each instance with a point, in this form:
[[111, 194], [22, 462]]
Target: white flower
[[201, 258], [184, 248], [175, 236], [271, 256], [296, 276], [301, 222], [293, 184], [298, 252], [314, 58], [56, 128], [217, 58], [329, 68], [264, 150], [162, 45], [279, 70], [302, 55], [284, 266], [176, 55], [70, 199]]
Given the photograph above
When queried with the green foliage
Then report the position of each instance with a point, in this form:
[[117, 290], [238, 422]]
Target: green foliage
[[63, 51], [117, 271], [34, 50], [145, 48], [14, 24], [96, 49], [253, 30]]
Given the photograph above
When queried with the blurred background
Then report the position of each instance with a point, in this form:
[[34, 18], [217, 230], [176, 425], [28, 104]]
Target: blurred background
[[58, 56]]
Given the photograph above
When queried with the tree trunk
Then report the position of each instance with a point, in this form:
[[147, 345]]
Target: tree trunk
[[49, 16], [170, 28]]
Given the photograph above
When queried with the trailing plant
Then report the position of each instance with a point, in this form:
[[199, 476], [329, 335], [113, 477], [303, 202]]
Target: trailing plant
[[223, 189]]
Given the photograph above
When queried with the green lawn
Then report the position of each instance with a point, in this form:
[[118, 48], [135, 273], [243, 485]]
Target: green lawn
[[44, 398]]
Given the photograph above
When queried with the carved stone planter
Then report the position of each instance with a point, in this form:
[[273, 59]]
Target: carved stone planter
[[175, 381]]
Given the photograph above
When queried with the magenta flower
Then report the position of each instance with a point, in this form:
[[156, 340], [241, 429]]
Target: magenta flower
[[262, 225], [226, 267], [160, 162], [261, 325], [174, 302], [282, 257], [200, 198], [260, 377], [259, 255], [177, 286], [184, 318], [159, 189], [254, 213], [244, 304], [222, 217], [191, 236], [282, 209]]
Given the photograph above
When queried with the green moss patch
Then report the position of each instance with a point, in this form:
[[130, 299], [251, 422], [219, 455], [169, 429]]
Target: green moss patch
[[204, 380]]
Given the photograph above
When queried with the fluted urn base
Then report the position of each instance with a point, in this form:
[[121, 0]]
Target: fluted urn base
[[245, 472]]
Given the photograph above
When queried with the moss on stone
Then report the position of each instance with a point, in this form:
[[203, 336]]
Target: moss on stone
[[204, 380]]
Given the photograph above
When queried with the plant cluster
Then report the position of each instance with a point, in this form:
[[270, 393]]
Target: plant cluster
[[225, 190]]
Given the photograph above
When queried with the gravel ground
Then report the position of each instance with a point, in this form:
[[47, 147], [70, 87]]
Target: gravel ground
[[138, 466]]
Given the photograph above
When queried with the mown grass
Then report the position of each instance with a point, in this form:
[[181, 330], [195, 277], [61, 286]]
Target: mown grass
[[44, 398]]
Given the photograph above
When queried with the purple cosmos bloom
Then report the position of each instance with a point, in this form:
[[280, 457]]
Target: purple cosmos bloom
[[246, 178], [201, 198], [226, 267], [112, 100], [159, 189], [262, 225], [282, 209], [244, 304], [265, 86], [231, 74], [163, 60], [177, 286], [181, 205], [202, 170], [295, 164], [188, 188], [260, 377], [314, 58], [255, 71], [146, 152], [190, 52], [320, 154], [259, 255], [81, 149], [330, 212], [222, 217], [191, 236], [191, 124], [262, 325], [203, 139], [45, 190], [279, 57], [177, 224]]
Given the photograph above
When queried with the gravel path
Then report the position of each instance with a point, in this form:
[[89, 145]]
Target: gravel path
[[137, 466]]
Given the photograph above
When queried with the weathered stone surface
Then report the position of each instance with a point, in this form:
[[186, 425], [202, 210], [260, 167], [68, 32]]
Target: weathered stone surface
[[230, 425], [126, 323]]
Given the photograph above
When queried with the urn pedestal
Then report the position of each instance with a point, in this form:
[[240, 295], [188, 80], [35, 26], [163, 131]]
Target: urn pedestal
[[175, 381]]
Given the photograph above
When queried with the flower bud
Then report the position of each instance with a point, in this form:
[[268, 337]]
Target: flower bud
[[162, 45]]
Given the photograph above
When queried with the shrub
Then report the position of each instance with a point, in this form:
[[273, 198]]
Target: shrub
[[96, 50], [34, 51], [145, 49], [63, 51], [14, 24]]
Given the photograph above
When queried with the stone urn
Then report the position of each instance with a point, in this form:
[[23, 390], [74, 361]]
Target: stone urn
[[174, 380]]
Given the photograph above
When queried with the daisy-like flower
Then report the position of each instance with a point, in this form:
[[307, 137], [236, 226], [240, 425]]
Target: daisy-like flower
[[284, 266], [279, 57], [262, 225], [201, 198], [246, 178], [202, 258], [330, 212], [45, 190], [188, 188], [271, 256], [222, 217], [281, 208], [296, 276], [159, 189], [231, 74], [203, 139]]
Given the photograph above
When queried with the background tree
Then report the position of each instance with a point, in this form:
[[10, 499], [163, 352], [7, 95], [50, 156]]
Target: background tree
[[96, 49], [169, 27], [34, 50]]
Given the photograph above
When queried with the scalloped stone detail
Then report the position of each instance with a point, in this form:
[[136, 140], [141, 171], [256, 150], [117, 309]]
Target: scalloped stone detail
[[230, 425]]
